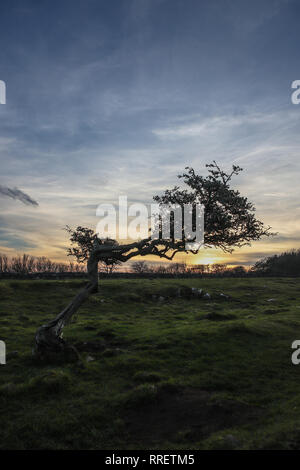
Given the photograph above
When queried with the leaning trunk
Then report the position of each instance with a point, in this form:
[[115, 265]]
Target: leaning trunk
[[48, 338]]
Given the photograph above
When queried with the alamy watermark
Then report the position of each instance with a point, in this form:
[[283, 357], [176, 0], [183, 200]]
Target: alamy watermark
[[295, 356], [295, 97], [157, 221], [2, 92], [2, 352]]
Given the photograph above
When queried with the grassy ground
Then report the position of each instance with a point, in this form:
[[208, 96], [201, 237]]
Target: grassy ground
[[174, 373]]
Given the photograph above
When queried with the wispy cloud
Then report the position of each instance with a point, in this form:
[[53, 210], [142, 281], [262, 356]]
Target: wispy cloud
[[16, 193], [203, 127]]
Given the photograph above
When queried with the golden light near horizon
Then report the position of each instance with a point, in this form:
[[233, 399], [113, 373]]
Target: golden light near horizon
[[206, 260]]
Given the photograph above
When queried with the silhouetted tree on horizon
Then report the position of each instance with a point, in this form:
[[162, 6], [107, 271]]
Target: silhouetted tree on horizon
[[229, 222], [284, 264]]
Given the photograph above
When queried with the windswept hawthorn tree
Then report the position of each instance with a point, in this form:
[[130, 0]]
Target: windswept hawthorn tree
[[229, 222]]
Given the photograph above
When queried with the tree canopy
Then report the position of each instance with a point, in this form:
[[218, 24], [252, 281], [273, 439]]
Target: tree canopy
[[229, 221]]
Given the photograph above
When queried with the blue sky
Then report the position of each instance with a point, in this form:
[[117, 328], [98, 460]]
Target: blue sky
[[117, 97]]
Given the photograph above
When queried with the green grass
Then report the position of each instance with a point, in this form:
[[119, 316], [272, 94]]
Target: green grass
[[174, 373]]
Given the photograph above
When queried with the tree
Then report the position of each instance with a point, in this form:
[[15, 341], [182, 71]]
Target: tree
[[229, 222], [218, 268], [139, 267], [284, 264], [201, 268], [177, 268], [4, 263], [239, 271], [109, 266]]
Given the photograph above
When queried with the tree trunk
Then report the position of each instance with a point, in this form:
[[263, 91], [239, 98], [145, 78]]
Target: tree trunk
[[48, 338]]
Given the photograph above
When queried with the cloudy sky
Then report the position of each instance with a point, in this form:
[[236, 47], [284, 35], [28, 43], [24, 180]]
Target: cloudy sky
[[106, 98]]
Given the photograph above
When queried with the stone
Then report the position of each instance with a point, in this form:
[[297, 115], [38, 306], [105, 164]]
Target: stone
[[207, 296], [197, 292], [224, 296], [90, 359]]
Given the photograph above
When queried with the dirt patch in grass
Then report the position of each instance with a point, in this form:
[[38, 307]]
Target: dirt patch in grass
[[190, 414]]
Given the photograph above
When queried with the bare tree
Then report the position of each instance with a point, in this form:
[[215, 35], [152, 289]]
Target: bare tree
[[139, 267], [4, 263], [109, 266], [239, 271], [218, 268], [229, 222], [177, 268], [22, 264], [201, 268]]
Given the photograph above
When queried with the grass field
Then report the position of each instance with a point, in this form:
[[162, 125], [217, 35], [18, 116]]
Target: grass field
[[168, 373]]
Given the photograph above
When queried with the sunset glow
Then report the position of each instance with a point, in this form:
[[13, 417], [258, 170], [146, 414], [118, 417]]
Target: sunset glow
[[120, 114]]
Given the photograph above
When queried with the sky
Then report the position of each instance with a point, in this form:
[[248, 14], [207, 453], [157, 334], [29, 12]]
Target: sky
[[108, 98]]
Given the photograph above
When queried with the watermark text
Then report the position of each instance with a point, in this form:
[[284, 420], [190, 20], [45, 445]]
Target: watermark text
[[2, 92], [2, 352], [158, 221]]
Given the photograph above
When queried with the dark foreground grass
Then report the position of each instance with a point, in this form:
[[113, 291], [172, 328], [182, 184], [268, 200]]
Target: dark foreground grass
[[171, 373]]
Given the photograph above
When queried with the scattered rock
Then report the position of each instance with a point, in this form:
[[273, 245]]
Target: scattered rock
[[90, 359], [271, 300], [197, 292], [224, 296], [184, 292], [207, 296]]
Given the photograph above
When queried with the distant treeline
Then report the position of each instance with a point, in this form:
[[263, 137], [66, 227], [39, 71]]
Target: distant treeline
[[26, 264], [285, 264], [22, 265], [141, 267]]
